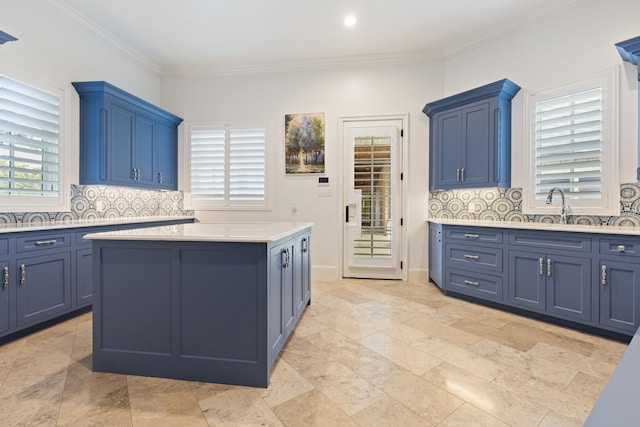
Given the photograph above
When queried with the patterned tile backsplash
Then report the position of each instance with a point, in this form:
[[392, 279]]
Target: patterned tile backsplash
[[101, 201], [497, 204]]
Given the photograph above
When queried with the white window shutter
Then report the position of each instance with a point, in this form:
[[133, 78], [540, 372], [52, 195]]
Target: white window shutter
[[569, 138], [29, 140]]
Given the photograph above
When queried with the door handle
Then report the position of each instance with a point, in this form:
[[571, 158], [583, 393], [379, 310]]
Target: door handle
[[23, 274], [462, 174], [541, 266], [467, 256], [346, 214], [458, 174], [549, 267], [603, 277], [6, 277]]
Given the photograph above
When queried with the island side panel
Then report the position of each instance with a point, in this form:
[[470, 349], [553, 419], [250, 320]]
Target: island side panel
[[213, 317]]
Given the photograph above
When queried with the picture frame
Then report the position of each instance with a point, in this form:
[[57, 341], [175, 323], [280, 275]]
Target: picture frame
[[304, 143]]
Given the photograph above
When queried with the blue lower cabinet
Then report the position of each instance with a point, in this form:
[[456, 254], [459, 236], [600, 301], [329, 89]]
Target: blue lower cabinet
[[619, 287], [551, 283], [84, 283], [5, 283], [43, 286]]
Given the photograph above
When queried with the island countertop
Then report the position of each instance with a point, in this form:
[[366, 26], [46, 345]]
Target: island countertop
[[258, 232], [82, 223], [569, 228]]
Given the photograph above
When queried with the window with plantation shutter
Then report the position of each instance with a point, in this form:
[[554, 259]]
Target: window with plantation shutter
[[30, 152], [574, 147], [228, 166]]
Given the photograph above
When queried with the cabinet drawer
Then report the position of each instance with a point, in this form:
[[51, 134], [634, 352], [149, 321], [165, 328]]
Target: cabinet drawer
[[37, 241], [472, 257], [551, 240], [620, 246], [4, 246], [473, 234], [476, 284]]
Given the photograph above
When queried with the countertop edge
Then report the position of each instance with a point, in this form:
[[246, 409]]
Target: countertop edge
[[83, 223], [566, 228], [176, 233]]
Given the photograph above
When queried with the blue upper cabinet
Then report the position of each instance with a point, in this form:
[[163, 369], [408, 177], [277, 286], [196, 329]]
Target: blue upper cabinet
[[470, 138], [124, 140]]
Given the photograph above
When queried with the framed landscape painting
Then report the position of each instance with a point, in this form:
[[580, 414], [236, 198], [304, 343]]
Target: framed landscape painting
[[304, 143]]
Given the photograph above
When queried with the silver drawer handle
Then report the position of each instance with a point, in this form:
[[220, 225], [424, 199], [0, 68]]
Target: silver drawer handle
[[621, 248], [45, 242], [472, 236], [6, 277], [471, 256], [541, 266], [470, 282], [603, 278], [23, 274]]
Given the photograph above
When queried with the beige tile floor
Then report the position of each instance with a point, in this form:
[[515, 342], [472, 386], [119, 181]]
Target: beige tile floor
[[365, 353]]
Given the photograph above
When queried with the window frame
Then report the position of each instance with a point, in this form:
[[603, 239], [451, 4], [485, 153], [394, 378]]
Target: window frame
[[61, 203], [609, 203], [226, 204]]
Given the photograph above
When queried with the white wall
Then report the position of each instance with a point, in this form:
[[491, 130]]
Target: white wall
[[53, 47], [398, 89], [576, 42]]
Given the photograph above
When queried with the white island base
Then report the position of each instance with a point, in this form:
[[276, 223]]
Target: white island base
[[203, 302]]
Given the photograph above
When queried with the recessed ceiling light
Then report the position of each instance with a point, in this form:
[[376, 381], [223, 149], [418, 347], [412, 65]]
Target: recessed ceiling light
[[350, 20]]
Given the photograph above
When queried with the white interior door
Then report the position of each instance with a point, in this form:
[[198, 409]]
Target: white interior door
[[372, 199]]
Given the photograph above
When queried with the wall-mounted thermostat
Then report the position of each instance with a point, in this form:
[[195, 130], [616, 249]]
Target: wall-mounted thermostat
[[323, 180]]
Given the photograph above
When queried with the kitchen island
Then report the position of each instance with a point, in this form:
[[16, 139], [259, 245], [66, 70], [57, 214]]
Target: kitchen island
[[212, 302]]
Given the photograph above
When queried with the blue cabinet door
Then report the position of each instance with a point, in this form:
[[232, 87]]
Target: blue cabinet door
[[144, 151], [120, 135], [435, 253], [5, 282], [43, 287], [447, 149], [289, 290], [84, 281], [167, 150], [478, 148], [302, 279], [527, 277], [620, 295], [569, 286], [275, 319]]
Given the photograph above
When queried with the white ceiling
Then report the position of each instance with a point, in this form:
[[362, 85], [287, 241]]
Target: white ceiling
[[179, 35]]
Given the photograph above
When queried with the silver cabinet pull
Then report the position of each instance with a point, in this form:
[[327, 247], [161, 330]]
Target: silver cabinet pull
[[462, 175], [305, 245], [621, 248], [160, 177], [458, 174], [467, 256], [133, 174], [46, 242], [472, 283], [472, 236], [23, 274], [549, 267], [5, 282], [541, 266], [287, 258], [603, 275]]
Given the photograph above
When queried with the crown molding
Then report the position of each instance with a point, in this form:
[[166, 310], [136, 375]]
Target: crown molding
[[510, 27], [105, 36], [4, 37], [310, 64]]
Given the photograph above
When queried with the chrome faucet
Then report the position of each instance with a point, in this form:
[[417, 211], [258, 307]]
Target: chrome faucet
[[563, 210]]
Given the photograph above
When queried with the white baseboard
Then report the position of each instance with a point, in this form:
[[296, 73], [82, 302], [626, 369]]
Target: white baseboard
[[324, 272]]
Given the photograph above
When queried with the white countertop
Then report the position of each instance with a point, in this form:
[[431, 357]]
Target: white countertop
[[57, 225], [575, 228], [256, 232]]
